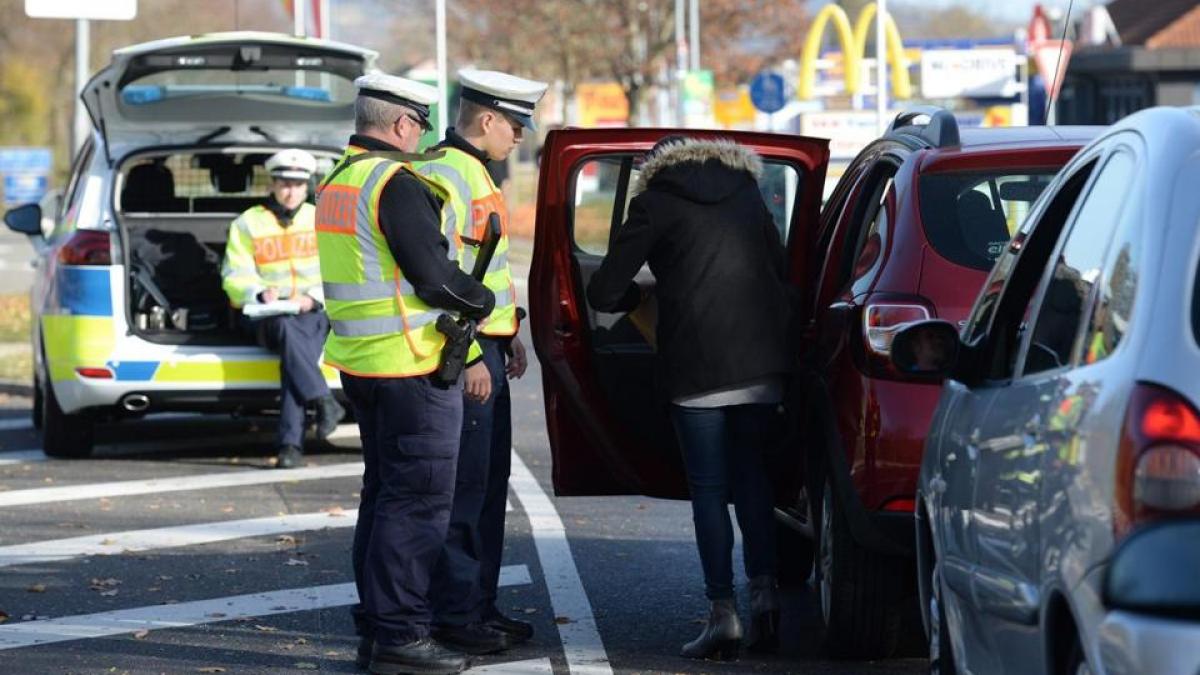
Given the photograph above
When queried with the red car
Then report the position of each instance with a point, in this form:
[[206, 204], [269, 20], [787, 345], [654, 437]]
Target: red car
[[910, 232]]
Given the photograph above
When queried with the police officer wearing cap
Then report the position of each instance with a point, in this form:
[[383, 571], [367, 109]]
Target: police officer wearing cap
[[388, 275], [494, 110], [271, 254]]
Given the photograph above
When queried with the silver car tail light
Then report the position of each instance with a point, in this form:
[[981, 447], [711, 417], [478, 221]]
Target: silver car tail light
[[1158, 462], [1167, 478]]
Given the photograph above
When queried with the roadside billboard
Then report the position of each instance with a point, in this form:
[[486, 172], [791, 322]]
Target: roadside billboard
[[601, 104], [978, 73]]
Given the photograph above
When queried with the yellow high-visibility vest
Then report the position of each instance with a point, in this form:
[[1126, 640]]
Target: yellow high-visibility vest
[[261, 254], [378, 325], [473, 197]]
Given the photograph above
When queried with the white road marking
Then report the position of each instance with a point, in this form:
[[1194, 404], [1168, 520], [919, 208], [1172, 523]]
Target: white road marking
[[206, 481], [21, 457], [530, 667], [113, 543], [582, 646], [196, 613]]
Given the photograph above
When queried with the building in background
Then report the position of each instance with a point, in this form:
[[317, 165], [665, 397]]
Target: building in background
[[1132, 54]]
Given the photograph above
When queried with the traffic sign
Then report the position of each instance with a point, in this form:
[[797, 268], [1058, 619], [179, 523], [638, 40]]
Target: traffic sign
[[26, 174], [767, 92], [112, 10]]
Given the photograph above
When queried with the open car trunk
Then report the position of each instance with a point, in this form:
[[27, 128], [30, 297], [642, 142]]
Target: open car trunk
[[174, 209]]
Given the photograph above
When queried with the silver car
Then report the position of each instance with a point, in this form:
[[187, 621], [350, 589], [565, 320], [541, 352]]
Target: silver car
[[1068, 417], [1152, 592]]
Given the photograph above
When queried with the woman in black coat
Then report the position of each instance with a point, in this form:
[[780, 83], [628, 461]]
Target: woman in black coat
[[699, 219]]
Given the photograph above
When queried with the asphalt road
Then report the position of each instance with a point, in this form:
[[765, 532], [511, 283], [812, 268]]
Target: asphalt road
[[108, 567]]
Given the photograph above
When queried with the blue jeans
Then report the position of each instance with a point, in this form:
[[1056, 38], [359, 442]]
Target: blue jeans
[[723, 452]]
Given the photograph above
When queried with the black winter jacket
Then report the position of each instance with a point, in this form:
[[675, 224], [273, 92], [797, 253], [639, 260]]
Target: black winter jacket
[[699, 220]]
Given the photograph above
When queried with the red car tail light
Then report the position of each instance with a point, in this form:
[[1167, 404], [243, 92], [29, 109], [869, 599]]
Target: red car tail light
[[87, 247], [1158, 462], [881, 322], [95, 373]]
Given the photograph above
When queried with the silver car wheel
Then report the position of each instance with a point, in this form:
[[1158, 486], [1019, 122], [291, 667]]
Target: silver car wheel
[[826, 554]]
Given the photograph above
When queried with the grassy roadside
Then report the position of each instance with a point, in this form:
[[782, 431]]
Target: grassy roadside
[[16, 357]]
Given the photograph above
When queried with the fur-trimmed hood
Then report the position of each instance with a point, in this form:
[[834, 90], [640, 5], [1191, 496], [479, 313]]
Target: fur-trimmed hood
[[704, 171]]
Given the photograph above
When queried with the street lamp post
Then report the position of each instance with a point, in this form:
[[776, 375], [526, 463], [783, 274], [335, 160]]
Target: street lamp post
[[881, 103], [442, 122], [694, 20], [82, 48]]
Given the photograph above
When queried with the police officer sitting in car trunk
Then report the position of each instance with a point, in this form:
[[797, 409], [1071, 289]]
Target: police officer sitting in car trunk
[[271, 255]]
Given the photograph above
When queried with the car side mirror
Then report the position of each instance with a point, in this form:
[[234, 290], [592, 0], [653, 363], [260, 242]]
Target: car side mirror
[[26, 219], [1154, 571], [926, 349]]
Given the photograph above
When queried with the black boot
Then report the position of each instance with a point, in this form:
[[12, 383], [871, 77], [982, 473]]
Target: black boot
[[517, 631], [764, 615], [722, 635], [419, 657], [329, 413], [474, 638], [289, 457]]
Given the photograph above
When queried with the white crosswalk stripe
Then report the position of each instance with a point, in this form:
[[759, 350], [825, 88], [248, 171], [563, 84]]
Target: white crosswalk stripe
[[206, 481], [112, 543], [196, 613], [530, 667]]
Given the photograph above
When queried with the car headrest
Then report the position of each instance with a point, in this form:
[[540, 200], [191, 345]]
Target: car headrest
[[149, 187], [984, 229]]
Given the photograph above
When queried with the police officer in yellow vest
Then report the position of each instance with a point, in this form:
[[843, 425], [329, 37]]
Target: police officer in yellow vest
[[271, 255], [387, 276], [494, 110]]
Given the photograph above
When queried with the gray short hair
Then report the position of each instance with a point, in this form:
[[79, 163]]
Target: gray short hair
[[372, 113]]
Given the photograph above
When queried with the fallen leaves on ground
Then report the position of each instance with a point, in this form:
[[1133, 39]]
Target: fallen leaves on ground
[[105, 586], [286, 540], [266, 629], [334, 511], [210, 669], [563, 620], [141, 634], [37, 588], [3, 616], [304, 665], [292, 562]]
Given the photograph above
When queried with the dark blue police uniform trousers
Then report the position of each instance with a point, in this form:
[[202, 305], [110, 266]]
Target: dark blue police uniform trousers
[[468, 571], [298, 339], [409, 428]]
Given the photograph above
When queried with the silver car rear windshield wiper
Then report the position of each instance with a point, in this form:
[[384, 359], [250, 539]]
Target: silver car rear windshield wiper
[[212, 134]]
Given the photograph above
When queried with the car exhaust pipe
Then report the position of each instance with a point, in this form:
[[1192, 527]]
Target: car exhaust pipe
[[136, 403]]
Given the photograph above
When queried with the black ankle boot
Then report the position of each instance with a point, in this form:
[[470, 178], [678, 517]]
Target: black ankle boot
[[722, 635], [764, 615], [421, 657]]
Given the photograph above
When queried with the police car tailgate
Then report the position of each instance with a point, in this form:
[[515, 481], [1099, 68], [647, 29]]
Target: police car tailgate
[[227, 87]]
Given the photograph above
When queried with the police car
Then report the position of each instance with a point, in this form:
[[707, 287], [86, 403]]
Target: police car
[[129, 314]]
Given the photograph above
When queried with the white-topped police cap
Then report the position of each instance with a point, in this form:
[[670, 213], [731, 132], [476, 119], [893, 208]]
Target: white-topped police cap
[[291, 164], [399, 90], [512, 95]]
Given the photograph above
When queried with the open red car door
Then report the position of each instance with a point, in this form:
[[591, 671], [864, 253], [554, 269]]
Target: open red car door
[[609, 430]]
